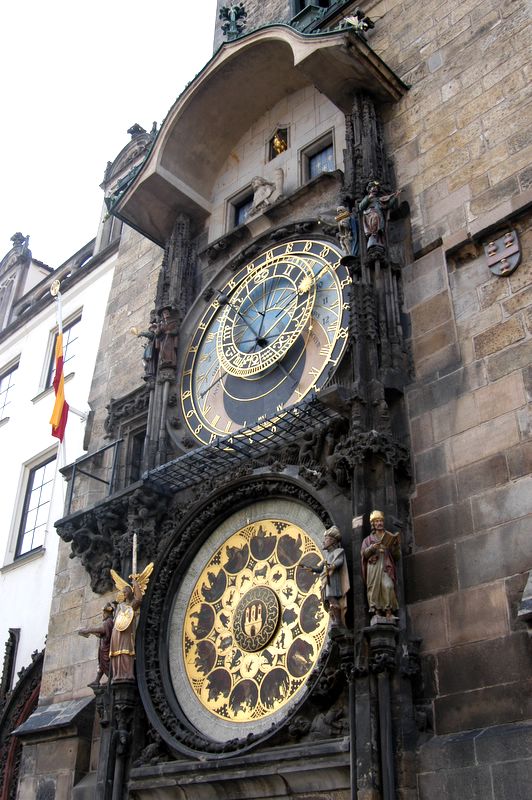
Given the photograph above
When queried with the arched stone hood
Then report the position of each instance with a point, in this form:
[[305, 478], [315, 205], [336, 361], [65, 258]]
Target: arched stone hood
[[242, 80]]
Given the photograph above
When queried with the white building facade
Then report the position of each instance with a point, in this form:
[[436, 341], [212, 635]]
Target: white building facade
[[33, 489]]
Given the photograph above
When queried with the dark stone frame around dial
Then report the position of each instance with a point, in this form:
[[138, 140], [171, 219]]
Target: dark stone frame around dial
[[153, 676]]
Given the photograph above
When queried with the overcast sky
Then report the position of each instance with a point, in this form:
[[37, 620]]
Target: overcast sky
[[73, 78]]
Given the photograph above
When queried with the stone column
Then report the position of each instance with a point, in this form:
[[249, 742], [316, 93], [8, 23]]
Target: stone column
[[382, 641]]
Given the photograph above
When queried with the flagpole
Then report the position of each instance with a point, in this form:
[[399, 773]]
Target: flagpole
[[61, 451], [60, 411]]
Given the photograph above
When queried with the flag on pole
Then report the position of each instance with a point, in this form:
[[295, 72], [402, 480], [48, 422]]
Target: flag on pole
[[58, 420]]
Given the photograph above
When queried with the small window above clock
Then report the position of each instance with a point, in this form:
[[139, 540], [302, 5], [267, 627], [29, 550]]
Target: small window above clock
[[317, 158], [239, 207]]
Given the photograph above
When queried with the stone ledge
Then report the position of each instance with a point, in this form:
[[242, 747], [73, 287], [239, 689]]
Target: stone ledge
[[465, 757], [324, 764], [496, 744]]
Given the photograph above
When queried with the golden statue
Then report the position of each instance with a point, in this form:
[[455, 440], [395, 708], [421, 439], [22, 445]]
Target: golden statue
[[279, 143], [128, 598]]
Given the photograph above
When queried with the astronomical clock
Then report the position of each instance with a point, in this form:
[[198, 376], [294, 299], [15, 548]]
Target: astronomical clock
[[236, 635], [272, 334]]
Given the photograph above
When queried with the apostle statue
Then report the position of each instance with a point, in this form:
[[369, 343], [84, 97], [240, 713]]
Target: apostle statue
[[103, 632], [122, 647], [166, 334], [334, 576], [375, 209], [347, 230], [379, 552], [149, 355]]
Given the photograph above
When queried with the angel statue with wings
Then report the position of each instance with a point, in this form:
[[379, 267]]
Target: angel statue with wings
[[128, 598]]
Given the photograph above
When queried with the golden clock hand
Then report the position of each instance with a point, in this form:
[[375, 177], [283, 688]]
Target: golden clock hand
[[285, 372], [307, 281], [208, 389], [224, 301], [320, 273]]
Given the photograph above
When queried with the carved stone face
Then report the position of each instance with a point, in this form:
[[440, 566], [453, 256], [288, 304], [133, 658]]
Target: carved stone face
[[329, 542]]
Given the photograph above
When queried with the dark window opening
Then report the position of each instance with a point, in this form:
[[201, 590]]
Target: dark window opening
[[242, 209], [136, 456]]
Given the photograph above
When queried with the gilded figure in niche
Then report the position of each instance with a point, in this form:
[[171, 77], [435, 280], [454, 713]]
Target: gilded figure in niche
[[122, 645]]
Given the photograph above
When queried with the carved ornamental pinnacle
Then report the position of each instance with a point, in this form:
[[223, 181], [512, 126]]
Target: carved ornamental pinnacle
[[233, 17]]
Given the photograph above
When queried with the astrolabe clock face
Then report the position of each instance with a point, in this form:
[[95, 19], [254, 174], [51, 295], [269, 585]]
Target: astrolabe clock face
[[253, 627], [272, 334]]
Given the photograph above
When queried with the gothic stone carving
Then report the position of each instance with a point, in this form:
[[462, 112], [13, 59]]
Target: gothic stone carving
[[102, 537], [123, 409], [20, 703], [152, 677]]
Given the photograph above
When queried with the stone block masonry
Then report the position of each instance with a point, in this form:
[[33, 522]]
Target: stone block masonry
[[473, 500], [465, 117]]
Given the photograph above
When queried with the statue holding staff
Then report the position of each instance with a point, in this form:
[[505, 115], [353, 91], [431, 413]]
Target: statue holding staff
[[334, 576], [103, 632], [375, 209]]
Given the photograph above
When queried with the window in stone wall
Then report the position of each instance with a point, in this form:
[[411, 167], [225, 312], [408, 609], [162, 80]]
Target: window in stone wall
[[318, 157], [239, 207], [36, 508], [70, 349], [136, 453], [7, 385]]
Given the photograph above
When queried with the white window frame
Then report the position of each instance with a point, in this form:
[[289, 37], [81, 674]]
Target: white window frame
[[48, 366], [11, 367], [312, 149], [11, 557]]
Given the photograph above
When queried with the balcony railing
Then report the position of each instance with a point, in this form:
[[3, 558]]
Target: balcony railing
[[101, 468]]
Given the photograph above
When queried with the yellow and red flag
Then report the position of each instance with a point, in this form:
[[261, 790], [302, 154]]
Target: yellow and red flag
[[59, 416]]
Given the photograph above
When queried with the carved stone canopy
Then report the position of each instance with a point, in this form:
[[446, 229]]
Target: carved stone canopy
[[243, 79]]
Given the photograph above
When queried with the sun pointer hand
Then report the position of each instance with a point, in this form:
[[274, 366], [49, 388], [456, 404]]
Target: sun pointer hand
[[224, 301], [209, 387]]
